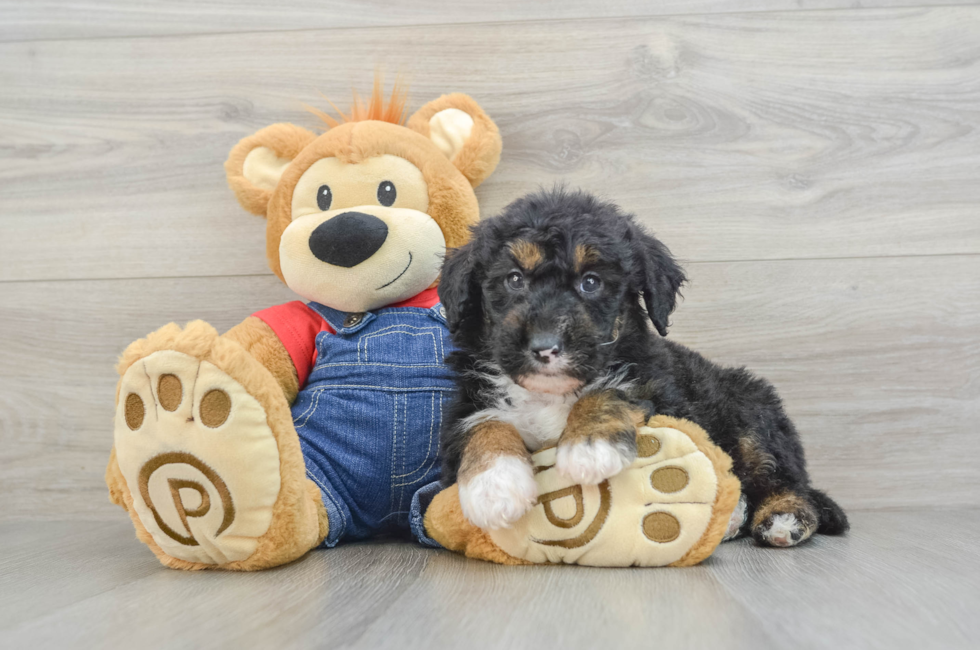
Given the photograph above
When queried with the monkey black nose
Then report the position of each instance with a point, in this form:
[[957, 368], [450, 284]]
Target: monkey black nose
[[545, 346], [348, 239]]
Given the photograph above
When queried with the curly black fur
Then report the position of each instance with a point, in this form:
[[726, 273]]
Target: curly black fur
[[605, 333]]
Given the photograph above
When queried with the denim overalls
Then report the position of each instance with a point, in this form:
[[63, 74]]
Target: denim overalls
[[369, 416]]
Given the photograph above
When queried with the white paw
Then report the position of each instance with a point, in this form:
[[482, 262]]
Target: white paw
[[499, 496], [784, 530], [738, 518], [590, 463]]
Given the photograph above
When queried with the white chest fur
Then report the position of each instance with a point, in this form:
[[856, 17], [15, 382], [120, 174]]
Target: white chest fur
[[539, 417]]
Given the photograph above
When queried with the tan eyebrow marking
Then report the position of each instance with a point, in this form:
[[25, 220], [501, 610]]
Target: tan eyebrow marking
[[527, 254], [585, 254]]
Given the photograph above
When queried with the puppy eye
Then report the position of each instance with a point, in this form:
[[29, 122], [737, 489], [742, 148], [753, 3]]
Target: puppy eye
[[591, 283], [515, 281], [324, 197], [387, 193]]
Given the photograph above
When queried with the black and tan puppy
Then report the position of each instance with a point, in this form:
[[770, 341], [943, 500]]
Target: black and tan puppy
[[544, 306]]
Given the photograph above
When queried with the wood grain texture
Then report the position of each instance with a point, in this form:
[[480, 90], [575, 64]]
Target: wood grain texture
[[891, 583], [22, 20], [734, 136], [878, 361]]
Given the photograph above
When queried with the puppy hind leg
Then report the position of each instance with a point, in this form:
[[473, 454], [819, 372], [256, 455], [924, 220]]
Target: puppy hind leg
[[784, 519]]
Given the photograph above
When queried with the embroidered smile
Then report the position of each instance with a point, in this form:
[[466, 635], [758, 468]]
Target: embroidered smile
[[387, 284]]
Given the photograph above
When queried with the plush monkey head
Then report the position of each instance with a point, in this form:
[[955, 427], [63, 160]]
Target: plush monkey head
[[361, 216]]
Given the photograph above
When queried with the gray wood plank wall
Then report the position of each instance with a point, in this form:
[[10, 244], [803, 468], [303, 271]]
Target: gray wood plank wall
[[816, 170]]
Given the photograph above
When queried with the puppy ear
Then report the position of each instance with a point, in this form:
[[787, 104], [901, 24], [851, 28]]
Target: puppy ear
[[257, 162], [463, 132], [459, 288], [657, 276]]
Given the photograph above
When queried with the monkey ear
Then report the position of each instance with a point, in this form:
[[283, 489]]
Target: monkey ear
[[657, 276], [463, 132], [459, 288], [257, 162]]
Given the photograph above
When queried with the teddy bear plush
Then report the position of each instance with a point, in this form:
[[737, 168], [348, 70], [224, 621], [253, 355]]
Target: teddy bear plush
[[317, 422]]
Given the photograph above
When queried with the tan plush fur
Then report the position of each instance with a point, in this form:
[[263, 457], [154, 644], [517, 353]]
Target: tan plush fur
[[258, 339], [481, 154], [299, 519], [286, 140], [445, 523]]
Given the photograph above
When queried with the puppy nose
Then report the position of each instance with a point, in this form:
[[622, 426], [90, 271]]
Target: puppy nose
[[348, 239], [545, 346]]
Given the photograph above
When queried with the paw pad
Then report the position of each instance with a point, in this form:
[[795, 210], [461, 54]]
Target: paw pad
[[135, 411], [215, 407], [646, 445], [669, 480], [661, 527], [169, 392]]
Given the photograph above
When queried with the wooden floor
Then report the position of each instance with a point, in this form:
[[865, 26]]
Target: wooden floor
[[906, 579], [814, 163]]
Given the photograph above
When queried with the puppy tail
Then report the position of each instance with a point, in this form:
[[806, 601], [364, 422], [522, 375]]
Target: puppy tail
[[833, 521]]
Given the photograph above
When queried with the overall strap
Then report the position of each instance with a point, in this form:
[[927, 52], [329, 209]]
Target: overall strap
[[342, 322]]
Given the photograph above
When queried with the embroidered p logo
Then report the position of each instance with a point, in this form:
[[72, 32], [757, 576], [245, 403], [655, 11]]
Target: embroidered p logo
[[175, 486], [574, 494]]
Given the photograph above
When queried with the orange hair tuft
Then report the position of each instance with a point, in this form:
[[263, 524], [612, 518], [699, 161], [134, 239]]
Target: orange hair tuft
[[394, 111]]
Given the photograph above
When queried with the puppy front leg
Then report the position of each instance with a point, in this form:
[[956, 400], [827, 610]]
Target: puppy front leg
[[599, 439], [496, 480]]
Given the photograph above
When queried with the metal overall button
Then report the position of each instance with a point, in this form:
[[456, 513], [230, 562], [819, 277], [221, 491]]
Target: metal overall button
[[353, 320]]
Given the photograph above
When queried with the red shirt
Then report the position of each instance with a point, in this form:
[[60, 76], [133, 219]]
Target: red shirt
[[297, 327]]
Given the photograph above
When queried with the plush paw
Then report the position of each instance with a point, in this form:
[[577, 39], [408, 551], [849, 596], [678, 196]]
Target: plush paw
[[198, 457], [591, 462], [671, 505], [499, 496]]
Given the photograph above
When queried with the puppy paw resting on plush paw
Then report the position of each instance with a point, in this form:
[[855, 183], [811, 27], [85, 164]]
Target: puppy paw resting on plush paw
[[496, 481], [499, 496], [590, 462], [599, 440]]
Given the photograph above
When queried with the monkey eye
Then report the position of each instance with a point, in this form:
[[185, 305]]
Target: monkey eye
[[387, 193], [515, 280], [591, 283], [324, 197]]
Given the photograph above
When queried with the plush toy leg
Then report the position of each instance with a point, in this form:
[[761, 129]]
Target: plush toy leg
[[670, 508], [445, 523], [206, 459]]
